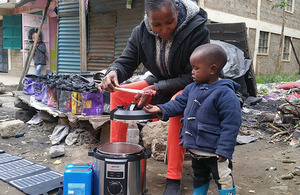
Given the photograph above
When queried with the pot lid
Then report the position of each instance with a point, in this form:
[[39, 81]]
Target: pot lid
[[130, 114], [120, 148]]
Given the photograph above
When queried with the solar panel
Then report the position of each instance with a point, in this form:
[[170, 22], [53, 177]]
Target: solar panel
[[21, 171], [35, 179], [9, 159], [4, 155], [14, 165]]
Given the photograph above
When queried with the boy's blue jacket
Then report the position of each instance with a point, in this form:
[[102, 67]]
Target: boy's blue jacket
[[212, 116]]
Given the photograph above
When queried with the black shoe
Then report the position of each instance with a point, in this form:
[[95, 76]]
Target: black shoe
[[172, 187]]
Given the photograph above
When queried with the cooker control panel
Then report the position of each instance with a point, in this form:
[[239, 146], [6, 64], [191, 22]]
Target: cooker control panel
[[115, 187], [115, 179], [115, 171]]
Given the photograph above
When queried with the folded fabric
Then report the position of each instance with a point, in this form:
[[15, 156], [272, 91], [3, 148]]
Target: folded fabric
[[289, 85]]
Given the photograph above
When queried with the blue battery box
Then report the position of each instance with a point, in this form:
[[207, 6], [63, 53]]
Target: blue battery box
[[78, 181], [78, 165]]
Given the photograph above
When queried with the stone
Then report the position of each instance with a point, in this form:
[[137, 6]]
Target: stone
[[85, 138], [296, 172], [80, 130], [287, 160], [49, 127], [72, 138], [24, 115], [154, 130], [287, 176], [158, 149], [288, 118], [45, 116], [19, 104], [296, 134], [63, 121], [271, 169], [1, 103], [11, 128], [266, 117], [2, 88], [56, 151], [280, 188]]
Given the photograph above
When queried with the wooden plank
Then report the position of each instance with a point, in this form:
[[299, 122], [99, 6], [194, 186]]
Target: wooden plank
[[226, 27], [296, 56], [232, 33], [235, 34], [30, 100], [97, 121], [83, 41]]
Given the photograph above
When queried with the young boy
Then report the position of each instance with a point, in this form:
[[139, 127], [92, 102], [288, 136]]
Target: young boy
[[212, 118]]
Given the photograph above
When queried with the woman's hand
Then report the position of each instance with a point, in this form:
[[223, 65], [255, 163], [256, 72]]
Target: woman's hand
[[144, 97], [152, 109], [222, 159], [109, 82]]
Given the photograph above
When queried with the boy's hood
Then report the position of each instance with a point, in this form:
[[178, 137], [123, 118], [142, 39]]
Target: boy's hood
[[187, 10], [223, 83]]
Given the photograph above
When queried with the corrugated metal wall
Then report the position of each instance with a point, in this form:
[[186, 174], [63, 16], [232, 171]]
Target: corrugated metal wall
[[68, 6], [126, 21], [101, 40], [68, 37], [110, 26]]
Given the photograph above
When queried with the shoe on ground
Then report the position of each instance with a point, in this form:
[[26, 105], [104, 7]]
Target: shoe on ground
[[172, 187]]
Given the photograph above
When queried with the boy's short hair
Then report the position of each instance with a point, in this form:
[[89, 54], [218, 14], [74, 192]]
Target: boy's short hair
[[215, 54]]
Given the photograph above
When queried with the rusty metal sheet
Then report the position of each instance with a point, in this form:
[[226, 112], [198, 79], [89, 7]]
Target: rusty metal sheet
[[101, 40], [110, 26], [126, 21]]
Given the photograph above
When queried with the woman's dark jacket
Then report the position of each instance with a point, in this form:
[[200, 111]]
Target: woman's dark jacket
[[40, 54], [141, 49]]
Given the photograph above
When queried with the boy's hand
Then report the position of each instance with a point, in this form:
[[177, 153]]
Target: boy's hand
[[221, 158], [144, 97], [152, 109]]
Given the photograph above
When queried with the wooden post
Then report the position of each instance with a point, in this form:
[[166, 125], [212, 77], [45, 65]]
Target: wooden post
[[296, 56], [83, 41], [32, 49], [279, 56]]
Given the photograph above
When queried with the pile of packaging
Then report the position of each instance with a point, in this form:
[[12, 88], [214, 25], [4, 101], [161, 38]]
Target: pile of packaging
[[67, 93]]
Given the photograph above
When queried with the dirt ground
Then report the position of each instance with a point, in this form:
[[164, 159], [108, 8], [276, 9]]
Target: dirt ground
[[257, 166]]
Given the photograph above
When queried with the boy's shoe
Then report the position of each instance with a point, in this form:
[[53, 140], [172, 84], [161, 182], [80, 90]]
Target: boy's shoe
[[202, 190], [172, 187], [227, 192]]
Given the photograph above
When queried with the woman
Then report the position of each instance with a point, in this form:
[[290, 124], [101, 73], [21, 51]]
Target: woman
[[163, 42], [39, 54]]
